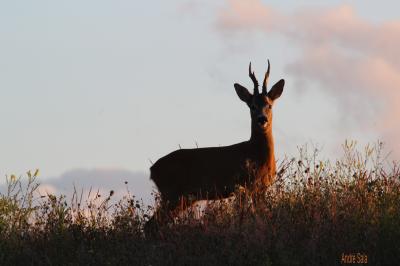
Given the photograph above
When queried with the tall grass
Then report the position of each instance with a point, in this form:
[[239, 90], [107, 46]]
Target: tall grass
[[315, 213]]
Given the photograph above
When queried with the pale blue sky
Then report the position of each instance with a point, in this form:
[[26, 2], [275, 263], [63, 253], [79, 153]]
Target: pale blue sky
[[111, 84]]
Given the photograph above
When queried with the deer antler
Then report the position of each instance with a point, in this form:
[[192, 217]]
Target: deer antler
[[253, 78], [264, 87]]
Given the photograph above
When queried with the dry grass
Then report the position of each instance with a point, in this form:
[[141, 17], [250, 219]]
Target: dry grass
[[314, 214]]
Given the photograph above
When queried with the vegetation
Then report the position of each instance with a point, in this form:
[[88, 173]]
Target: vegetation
[[316, 213]]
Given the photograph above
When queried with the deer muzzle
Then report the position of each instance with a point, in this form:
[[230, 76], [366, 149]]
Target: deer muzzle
[[262, 120]]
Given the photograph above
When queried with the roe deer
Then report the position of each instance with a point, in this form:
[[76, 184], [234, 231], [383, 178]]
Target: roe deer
[[211, 173]]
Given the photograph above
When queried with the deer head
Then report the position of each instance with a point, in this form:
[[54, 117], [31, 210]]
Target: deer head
[[260, 104]]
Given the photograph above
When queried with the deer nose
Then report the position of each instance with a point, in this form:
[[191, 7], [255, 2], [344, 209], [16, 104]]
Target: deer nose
[[262, 120]]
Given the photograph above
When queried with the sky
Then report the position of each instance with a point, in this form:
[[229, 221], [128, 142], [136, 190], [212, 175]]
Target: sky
[[104, 88]]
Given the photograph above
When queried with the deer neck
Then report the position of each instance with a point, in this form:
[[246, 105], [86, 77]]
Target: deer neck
[[262, 144]]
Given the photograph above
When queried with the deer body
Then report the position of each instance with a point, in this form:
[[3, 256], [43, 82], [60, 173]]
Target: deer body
[[214, 172], [211, 173]]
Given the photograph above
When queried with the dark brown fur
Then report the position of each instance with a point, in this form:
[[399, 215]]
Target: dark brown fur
[[210, 173]]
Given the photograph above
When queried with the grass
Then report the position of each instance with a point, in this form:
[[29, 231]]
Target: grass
[[316, 213]]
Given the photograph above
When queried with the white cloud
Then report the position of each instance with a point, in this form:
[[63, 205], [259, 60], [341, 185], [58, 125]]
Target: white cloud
[[46, 189], [356, 61], [96, 180]]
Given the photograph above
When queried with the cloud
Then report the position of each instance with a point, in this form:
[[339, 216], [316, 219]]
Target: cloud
[[105, 180], [102, 180], [245, 15], [356, 61], [45, 189]]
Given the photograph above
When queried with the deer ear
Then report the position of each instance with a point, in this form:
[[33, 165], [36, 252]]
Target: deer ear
[[276, 90], [243, 93]]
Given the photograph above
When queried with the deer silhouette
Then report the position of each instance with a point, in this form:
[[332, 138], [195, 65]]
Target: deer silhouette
[[214, 172]]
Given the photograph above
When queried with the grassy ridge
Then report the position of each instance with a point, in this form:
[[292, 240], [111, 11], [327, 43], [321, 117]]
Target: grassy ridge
[[316, 213]]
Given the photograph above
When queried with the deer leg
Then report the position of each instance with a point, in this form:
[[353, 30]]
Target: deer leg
[[163, 215]]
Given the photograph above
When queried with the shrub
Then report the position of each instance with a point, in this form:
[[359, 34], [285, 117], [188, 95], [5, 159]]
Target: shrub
[[315, 213]]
